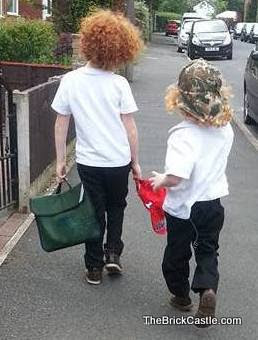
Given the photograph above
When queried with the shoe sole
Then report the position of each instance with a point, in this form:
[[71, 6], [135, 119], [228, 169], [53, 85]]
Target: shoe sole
[[113, 268], [187, 308], [91, 282]]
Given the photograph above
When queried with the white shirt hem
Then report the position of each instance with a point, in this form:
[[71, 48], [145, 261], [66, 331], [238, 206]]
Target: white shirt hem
[[179, 214], [103, 164]]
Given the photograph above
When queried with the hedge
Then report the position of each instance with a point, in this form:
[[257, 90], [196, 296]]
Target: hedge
[[142, 18], [163, 17], [31, 41]]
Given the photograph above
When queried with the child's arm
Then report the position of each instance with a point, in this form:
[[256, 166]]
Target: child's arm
[[132, 134], [162, 180], [61, 129]]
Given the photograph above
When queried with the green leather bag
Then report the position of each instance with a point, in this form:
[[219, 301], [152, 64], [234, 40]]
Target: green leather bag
[[65, 219]]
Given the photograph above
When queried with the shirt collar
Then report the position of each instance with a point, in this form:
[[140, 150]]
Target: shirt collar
[[94, 71]]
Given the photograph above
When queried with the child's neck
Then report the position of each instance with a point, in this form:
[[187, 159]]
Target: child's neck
[[89, 64]]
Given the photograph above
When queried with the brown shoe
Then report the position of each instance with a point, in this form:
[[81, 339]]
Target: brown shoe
[[207, 307], [184, 304], [94, 276]]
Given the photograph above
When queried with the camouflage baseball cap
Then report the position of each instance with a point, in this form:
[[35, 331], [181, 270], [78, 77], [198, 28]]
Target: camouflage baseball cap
[[201, 95]]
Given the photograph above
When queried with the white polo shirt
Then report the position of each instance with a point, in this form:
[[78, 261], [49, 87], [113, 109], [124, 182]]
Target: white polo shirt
[[199, 156], [96, 98]]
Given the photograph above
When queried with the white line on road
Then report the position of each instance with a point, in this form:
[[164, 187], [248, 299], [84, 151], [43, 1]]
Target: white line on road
[[249, 136], [151, 58], [16, 237], [26, 224]]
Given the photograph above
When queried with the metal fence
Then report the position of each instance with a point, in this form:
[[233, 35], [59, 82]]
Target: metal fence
[[8, 148]]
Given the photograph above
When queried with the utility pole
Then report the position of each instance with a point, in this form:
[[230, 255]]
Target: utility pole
[[118, 5], [127, 7], [130, 13], [130, 10], [150, 18], [256, 11], [247, 4]]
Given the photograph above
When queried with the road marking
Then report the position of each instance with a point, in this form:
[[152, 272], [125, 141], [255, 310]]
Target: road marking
[[247, 133], [15, 238], [151, 58], [8, 247]]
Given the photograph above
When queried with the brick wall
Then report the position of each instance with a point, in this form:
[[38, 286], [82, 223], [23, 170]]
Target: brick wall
[[41, 127], [31, 11], [21, 76]]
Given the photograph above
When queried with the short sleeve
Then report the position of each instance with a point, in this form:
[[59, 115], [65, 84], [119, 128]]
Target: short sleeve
[[61, 101], [181, 155], [127, 103]]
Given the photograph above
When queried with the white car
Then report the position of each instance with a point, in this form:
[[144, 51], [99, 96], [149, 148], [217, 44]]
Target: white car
[[238, 29], [183, 35]]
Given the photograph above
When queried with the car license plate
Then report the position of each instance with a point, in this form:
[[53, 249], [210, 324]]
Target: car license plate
[[211, 49]]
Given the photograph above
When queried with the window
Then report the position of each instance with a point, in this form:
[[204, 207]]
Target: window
[[12, 7], [47, 9], [1, 8], [210, 26], [188, 26]]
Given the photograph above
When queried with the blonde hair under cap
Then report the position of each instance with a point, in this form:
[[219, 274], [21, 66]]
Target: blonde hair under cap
[[200, 95]]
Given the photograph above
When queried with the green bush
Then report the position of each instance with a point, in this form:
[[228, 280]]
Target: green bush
[[142, 18], [31, 41], [68, 18], [163, 17]]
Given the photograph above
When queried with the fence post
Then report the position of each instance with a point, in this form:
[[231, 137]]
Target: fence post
[[77, 58], [21, 100]]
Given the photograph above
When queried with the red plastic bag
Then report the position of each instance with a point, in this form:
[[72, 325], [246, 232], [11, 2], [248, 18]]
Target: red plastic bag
[[153, 201]]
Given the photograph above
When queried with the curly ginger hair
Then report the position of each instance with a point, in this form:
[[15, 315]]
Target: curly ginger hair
[[108, 40]]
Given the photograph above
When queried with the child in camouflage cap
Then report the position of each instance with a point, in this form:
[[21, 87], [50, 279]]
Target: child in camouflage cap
[[196, 159]]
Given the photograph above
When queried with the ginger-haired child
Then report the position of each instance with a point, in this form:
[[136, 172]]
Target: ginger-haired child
[[196, 160], [102, 106]]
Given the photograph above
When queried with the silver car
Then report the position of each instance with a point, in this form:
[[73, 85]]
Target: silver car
[[183, 35]]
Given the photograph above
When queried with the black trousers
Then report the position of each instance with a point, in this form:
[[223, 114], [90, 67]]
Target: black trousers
[[206, 222], [107, 188]]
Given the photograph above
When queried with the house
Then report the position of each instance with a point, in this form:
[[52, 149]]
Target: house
[[205, 9], [37, 9]]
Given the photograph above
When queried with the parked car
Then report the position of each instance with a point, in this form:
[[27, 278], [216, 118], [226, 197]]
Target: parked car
[[251, 89], [238, 29], [191, 16], [209, 38], [253, 37], [246, 31], [183, 35], [172, 27]]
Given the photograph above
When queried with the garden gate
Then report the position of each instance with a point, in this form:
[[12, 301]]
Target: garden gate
[[8, 148]]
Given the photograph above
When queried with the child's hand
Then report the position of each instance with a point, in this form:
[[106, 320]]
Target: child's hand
[[136, 170], [60, 171], [158, 180]]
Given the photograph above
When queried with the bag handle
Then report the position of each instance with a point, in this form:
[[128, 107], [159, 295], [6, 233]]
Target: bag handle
[[59, 187]]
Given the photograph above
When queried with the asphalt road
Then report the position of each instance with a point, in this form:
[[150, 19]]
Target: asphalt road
[[45, 297], [233, 71]]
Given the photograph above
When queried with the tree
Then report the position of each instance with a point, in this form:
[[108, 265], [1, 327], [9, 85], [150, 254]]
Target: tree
[[172, 6], [236, 5], [67, 14], [153, 4]]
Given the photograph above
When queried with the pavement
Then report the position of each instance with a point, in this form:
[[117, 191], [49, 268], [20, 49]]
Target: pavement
[[45, 296]]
